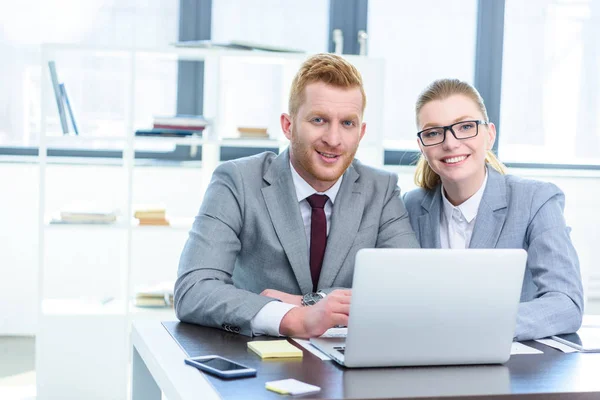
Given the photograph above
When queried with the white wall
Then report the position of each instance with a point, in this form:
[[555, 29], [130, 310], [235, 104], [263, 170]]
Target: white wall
[[87, 261]]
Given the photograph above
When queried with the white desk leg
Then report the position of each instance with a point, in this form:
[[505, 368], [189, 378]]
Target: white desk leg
[[143, 385]]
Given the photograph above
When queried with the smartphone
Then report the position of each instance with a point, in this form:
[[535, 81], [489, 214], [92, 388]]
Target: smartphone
[[221, 367]]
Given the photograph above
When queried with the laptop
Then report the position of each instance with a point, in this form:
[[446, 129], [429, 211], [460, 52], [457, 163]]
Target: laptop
[[418, 307]]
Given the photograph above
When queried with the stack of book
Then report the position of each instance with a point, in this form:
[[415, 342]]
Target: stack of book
[[85, 215], [253, 133], [160, 295], [175, 126], [151, 215]]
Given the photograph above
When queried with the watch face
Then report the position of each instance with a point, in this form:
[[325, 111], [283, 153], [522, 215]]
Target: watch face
[[311, 298]]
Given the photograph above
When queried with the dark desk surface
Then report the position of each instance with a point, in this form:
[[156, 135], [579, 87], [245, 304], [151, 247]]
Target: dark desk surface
[[552, 375]]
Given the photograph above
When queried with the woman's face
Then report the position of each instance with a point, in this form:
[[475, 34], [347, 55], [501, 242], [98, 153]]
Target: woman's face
[[456, 161]]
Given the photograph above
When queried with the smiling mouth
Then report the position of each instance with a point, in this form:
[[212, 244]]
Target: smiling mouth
[[454, 160], [328, 155]]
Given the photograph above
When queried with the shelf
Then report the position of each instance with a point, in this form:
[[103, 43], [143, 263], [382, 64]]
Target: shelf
[[243, 142], [81, 307], [79, 139], [89, 307], [74, 141], [119, 224], [188, 140], [179, 224], [178, 53], [176, 223]]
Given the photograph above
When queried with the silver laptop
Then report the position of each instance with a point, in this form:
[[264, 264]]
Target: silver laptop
[[415, 307]]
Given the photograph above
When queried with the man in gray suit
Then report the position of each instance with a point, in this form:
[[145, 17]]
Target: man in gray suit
[[272, 249]]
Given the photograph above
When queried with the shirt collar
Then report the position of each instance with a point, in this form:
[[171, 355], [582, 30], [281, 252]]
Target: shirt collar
[[303, 189], [469, 208]]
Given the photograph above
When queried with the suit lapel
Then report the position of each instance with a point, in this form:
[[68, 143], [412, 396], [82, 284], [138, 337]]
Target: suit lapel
[[282, 205], [491, 213], [345, 221], [429, 222]]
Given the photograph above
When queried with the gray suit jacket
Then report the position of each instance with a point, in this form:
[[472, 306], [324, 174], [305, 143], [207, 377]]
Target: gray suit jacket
[[249, 236], [521, 214]]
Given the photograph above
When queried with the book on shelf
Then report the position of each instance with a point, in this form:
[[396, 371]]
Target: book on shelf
[[235, 45], [253, 132], [160, 295], [65, 97], [195, 121], [58, 220], [160, 132], [85, 215], [151, 215], [153, 222], [58, 96], [179, 128]]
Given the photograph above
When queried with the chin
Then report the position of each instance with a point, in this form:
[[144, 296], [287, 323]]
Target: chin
[[328, 176]]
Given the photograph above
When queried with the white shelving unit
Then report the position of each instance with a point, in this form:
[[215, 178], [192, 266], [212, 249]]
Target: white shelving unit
[[70, 328]]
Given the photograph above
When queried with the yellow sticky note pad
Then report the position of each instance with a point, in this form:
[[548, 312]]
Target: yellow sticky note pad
[[291, 386], [275, 349]]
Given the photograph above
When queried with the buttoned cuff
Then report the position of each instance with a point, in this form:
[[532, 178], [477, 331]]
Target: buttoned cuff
[[268, 319]]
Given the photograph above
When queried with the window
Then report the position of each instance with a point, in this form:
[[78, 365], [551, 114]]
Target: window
[[550, 110], [420, 42]]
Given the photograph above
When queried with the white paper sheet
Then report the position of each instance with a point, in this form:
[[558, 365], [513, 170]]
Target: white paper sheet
[[557, 345], [335, 332], [520, 348], [516, 348], [306, 344]]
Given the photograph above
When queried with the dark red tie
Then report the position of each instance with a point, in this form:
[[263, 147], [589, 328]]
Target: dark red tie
[[318, 235]]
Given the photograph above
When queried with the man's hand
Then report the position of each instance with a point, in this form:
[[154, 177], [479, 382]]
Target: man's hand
[[313, 321], [282, 296]]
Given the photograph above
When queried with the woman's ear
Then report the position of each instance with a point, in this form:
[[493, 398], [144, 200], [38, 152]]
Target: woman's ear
[[491, 137]]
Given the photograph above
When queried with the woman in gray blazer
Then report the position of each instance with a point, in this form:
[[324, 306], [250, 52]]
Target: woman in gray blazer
[[466, 200]]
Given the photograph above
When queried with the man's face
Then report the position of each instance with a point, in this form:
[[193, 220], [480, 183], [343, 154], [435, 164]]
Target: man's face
[[325, 133]]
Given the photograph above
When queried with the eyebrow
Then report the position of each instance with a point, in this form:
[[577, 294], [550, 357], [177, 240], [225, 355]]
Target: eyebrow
[[462, 118], [353, 116]]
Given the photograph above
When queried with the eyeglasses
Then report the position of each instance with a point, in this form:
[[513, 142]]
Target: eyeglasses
[[460, 130]]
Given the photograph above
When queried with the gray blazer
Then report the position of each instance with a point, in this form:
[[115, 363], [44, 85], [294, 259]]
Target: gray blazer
[[522, 214], [249, 236]]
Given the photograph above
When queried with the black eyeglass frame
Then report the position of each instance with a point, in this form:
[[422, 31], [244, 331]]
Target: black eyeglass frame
[[449, 127]]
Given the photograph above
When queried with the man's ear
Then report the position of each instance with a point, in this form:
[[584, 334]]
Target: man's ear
[[286, 125], [363, 130]]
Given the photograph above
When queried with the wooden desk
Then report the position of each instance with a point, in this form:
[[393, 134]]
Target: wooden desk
[[158, 365]]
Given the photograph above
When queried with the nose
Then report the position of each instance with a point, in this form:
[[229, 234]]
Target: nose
[[333, 135], [450, 142]]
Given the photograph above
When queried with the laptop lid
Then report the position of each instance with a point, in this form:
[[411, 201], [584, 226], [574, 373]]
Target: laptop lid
[[433, 306]]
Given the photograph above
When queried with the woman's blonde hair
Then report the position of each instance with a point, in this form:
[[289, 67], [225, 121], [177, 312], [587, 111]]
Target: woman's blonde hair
[[441, 89], [327, 68]]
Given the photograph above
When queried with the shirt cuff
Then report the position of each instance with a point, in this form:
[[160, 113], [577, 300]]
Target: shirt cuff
[[268, 319]]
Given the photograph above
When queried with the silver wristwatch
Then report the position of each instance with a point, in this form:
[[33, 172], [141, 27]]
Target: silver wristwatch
[[310, 299]]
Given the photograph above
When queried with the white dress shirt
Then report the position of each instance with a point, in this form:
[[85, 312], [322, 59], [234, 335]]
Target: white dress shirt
[[457, 223], [268, 319]]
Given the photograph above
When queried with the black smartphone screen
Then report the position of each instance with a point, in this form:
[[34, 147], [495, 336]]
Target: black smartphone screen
[[220, 364]]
